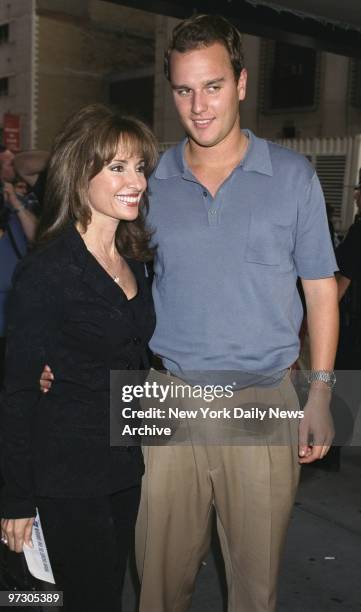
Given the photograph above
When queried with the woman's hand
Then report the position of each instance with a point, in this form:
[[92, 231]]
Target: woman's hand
[[17, 532], [46, 379]]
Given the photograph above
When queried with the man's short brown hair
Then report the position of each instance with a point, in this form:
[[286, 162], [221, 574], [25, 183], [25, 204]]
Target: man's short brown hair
[[202, 31]]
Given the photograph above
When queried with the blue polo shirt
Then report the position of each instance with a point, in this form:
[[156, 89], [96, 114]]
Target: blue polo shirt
[[226, 267]]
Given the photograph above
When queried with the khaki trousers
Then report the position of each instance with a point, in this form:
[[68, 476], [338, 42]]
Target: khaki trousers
[[252, 489]]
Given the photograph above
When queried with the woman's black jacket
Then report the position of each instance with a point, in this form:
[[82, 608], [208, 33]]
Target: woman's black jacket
[[66, 311]]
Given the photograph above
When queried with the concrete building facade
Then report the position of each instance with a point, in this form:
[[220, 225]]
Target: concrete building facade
[[17, 64], [81, 56], [58, 55]]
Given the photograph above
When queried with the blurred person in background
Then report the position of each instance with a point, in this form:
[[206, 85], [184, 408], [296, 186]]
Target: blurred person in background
[[17, 230], [348, 255], [31, 167], [26, 195]]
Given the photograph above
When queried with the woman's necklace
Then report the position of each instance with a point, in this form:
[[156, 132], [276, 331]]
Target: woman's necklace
[[108, 268]]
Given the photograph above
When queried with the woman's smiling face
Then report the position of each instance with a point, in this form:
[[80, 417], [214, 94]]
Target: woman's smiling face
[[117, 190]]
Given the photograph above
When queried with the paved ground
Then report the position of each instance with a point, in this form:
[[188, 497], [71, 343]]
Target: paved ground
[[322, 564]]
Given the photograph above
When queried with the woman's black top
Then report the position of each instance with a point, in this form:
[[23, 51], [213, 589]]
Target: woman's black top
[[66, 311]]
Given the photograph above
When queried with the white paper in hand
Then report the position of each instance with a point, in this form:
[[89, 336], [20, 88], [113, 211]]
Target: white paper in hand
[[37, 558]]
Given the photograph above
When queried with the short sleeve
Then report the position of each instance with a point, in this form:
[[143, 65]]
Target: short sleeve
[[313, 255]]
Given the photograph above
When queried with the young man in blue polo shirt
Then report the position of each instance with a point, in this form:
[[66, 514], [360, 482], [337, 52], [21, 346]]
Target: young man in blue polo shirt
[[237, 220]]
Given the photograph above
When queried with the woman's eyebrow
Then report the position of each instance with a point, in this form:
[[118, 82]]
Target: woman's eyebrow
[[125, 161]]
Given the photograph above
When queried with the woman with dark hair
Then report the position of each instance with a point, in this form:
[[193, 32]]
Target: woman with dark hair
[[81, 301]]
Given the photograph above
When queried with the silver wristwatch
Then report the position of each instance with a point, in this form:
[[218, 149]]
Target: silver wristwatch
[[325, 376]]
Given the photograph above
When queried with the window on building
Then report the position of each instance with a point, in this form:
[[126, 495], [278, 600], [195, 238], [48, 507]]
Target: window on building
[[290, 77], [4, 86], [4, 33], [355, 83], [289, 131]]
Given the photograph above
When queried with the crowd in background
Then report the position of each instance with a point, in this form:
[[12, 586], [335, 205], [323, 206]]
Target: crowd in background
[[20, 195]]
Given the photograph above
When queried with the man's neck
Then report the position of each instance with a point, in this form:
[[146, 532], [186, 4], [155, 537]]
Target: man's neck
[[228, 152], [213, 165]]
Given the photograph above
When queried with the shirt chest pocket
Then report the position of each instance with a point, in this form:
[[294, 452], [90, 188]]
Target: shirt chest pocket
[[270, 243]]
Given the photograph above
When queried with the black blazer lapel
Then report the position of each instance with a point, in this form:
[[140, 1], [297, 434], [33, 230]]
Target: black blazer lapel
[[94, 275], [100, 281]]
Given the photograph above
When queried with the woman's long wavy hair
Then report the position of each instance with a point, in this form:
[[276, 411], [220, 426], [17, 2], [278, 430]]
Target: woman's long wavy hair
[[87, 142]]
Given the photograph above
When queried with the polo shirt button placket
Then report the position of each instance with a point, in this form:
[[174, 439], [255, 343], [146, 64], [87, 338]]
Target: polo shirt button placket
[[212, 216]]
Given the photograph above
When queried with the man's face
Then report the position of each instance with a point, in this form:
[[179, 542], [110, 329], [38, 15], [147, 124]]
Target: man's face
[[7, 165], [206, 93]]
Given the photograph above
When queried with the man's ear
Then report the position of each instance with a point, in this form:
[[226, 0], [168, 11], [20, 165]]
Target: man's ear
[[242, 85]]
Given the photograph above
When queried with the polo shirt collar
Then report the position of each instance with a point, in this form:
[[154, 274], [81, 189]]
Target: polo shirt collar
[[257, 159], [171, 163]]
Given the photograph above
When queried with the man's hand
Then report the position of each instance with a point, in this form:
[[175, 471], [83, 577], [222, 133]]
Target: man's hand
[[316, 429], [17, 532], [46, 379]]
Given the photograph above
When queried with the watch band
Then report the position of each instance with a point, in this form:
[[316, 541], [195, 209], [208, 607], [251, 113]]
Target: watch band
[[326, 376]]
